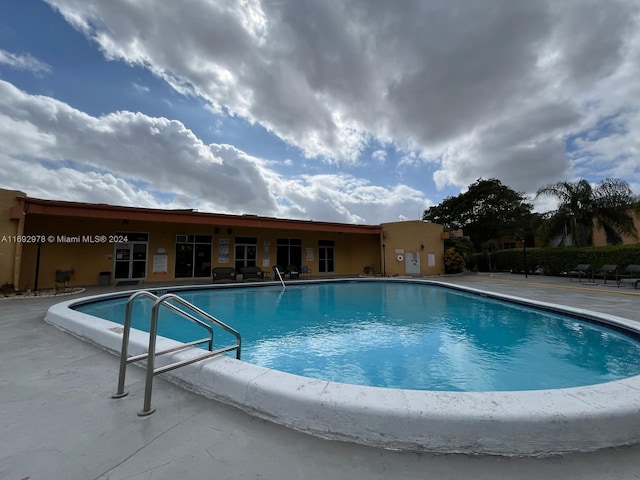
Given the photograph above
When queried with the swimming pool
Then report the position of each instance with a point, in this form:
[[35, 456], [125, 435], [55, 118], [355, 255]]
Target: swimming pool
[[408, 336], [510, 423]]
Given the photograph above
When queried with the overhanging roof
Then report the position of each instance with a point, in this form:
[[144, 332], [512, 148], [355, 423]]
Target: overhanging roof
[[37, 206]]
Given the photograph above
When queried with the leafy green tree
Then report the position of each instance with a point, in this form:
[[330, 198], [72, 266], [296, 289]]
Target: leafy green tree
[[610, 205], [486, 211]]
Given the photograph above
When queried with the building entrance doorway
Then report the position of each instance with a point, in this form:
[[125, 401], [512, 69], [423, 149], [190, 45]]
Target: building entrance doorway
[[130, 257], [193, 256], [412, 264]]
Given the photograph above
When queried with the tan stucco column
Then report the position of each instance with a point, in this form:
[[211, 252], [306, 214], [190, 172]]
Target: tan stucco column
[[17, 259], [11, 228]]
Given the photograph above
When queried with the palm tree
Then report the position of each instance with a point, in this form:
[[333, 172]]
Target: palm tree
[[609, 204]]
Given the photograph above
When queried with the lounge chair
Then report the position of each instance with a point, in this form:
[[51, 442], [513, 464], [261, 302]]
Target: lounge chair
[[630, 275], [252, 274], [607, 271], [223, 274], [305, 271], [293, 271], [579, 271]]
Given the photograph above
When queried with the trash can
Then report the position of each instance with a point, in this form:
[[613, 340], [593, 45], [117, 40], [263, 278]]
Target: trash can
[[104, 278]]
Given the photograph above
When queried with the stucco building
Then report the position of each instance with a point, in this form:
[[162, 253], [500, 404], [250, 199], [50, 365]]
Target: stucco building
[[101, 243], [600, 238]]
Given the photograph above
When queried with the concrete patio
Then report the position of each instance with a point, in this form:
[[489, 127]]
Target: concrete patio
[[59, 421]]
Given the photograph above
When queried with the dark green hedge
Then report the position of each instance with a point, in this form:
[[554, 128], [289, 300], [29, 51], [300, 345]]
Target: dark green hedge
[[555, 260]]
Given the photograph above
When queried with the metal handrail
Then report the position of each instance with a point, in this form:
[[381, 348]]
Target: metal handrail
[[209, 317], [153, 333], [277, 270], [124, 358]]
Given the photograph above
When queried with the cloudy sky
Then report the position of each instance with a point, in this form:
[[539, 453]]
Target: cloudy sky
[[358, 111]]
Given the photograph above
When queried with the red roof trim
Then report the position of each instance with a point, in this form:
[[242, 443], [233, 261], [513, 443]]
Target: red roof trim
[[36, 206]]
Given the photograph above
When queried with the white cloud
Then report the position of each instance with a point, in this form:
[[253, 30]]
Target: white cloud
[[124, 158], [379, 156], [23, 62], [140, 88], [130, 146], [488, 88], [344, 197]]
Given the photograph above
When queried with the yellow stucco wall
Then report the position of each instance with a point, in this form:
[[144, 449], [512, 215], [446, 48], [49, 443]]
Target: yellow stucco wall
[[600, 239], [352, 251], [10, 232], [411, 238], [86, 259], [66, 245]]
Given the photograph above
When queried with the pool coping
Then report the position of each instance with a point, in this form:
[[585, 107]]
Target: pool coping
[[527, 423]]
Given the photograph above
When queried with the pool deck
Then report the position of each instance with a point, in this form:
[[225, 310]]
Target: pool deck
[[59, 421]]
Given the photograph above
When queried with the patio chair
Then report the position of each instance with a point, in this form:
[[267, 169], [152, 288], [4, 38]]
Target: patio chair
[[252, 274], [579, 271], [223, 274], [293, 271], [630, 275], [305, 271], [607, 271]]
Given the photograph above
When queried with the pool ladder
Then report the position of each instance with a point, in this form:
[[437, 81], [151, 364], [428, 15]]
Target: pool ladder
[[277, 270], [151, 371]]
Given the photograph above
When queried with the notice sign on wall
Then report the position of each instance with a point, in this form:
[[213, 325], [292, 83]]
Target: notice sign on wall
[[160, 261], [223, 250], [265, 254]]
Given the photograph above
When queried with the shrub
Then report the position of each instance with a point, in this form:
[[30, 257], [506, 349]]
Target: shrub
[[555, 260], [453, 261], [6, 289]]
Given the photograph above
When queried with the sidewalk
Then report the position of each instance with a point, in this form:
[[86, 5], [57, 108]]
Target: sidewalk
[[59, 422], [607, 298]]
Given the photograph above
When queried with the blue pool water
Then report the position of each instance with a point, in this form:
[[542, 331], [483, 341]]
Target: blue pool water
[[402, 335]]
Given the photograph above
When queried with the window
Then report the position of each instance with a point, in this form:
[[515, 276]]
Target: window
[[245, 248], [193, 256], [288, 252], [326, 256]]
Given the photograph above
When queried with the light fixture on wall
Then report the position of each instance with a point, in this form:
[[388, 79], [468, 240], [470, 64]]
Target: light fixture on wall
[[125, 223]]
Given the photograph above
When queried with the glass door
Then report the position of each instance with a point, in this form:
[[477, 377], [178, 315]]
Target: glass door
[[245, 252], [184, 260], [130, 258], [193, 255], [326, 256]]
